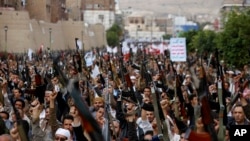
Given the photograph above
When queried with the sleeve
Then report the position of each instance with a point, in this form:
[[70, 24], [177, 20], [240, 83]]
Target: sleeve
[[7, 104], [37, 133], [132, 136], [119, 114], [52, 121], [168, 120], [247, 111]]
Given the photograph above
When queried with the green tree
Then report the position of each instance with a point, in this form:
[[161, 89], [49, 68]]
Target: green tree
[[166, 36], [114, 35], [189, 35], [112, 38], [204, 41], [234, 41]]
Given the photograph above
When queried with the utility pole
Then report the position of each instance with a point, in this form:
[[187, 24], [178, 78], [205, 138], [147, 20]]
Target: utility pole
[[50, 30], [6, 40]]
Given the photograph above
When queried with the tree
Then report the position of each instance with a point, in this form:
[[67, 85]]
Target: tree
[[114, 35], [234, 41], [112, 38], [166, 36], [189, 35], [204, 41]]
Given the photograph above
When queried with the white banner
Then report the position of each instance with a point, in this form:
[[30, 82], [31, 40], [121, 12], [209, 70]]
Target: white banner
[[79, 43], [178, 51]]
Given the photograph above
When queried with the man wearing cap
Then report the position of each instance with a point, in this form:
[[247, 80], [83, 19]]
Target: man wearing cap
[[67, 121], [62, 135]]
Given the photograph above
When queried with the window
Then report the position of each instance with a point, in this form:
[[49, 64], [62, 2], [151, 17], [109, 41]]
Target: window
[[136, 20], [48, 8], [131, 20], [142, 21]]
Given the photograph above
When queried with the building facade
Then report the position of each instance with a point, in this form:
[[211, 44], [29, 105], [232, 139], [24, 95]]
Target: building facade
[[145, 25], [24, 33], [99, 11], [47, 10]]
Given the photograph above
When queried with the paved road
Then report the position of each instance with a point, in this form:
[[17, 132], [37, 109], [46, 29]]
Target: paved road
[[181, 7]]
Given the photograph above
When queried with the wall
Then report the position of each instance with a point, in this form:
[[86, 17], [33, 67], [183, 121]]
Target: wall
[[73, 8], [93, 17], [24, 33], [39, 10]]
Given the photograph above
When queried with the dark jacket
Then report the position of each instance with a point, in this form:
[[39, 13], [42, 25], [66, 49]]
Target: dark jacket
[[247, 111], [128, 129]]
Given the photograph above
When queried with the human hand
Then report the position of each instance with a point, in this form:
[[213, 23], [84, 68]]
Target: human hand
[[35, 109], [146, 100], [14, 133], [164, 103], [53, 95]]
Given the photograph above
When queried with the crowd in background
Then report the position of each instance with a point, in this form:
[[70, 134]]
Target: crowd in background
[[145, 98]]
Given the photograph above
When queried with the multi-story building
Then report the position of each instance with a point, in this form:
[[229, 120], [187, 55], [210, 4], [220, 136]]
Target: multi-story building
[[16, 4], [74, 10], [229, 5], [99, 11], [47, 10], [144, 24]]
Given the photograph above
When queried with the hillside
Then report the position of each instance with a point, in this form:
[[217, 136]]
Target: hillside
[[178, 7]]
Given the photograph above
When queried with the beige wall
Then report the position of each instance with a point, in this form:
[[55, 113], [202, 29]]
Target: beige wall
[[38, 9], [73, 8], [24, 33]]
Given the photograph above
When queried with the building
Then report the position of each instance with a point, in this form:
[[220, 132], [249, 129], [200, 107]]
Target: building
[[99, 11], [16, 4], [47, 10], [228, 5], [144, 24], [74, 10], [182, 24], [23, 33]]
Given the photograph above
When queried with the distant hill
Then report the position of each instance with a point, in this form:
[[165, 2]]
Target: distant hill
[[176, 7]]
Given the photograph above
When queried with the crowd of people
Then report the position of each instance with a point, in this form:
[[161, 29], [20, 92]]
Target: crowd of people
[[147, 98]]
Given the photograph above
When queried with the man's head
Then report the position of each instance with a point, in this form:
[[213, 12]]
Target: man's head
[[182, 137], [14, 77], [238, 114], [17, 93], [62, 134], [226, 85], [54, 80], [148, 136], [98, 102], [67, 122], [4, 115], [116, 124], [193, 99], [100, 113], [48, 92], [19, 104], [147, 92], [150, 115]]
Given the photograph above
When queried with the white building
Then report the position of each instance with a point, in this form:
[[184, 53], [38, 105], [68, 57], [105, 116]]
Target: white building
[[144, 24], [96, 11]]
